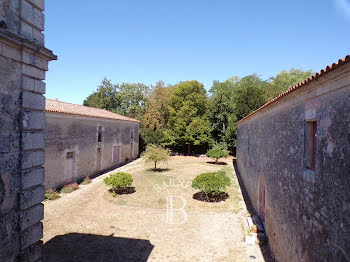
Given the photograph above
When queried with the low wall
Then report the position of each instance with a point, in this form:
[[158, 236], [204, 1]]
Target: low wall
[[71, 133], [307, 212]]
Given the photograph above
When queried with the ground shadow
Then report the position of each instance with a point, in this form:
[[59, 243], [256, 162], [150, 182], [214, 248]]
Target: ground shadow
[[123, 191], [218, 163], [158, 170], [76, 247], [265, 249], [202, 196]]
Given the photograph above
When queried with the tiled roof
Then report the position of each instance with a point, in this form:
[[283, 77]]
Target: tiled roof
[[324, 71], [73, 109]]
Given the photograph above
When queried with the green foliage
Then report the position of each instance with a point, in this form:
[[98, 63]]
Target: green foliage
[[249, 95], [127, 99], [118, 180], [217, 152], [51, 194], [157, 114], [155, 154], [211, 182], [187, 123], [70, 188], [286, 79]]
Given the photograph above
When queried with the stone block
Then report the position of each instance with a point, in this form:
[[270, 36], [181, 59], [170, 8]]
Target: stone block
[[35, 60], [11, 52], [28, 83], [38, 37], [33, 120], [26, 31], [33, 101], [33, 72], [33, 177], [31, 216], [40, 87], [31, 197], [32, 253], [39, 19], [33, 158], [27, 12], [31, 235], [33, 140], [40, 4]]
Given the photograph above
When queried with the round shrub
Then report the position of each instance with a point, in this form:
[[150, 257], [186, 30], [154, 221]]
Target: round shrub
[[211, 182], [217, 152], [118, 180]]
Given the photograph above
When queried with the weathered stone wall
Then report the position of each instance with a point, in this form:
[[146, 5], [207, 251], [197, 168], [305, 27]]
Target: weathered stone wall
[[23, 62], [78, 134], [307, 213]]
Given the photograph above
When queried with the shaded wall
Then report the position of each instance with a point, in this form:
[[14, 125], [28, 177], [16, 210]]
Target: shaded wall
[[23, 63], [70, 133], [307, 213]]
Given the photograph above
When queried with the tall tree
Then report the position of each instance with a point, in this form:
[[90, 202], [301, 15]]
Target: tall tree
[[221, 108], [249, 94], [187, 121], [284, 80], [157, 114], [127, 99], [106, 97]]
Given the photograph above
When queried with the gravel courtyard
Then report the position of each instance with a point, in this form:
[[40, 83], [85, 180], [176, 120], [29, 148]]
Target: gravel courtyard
[[92, 225]]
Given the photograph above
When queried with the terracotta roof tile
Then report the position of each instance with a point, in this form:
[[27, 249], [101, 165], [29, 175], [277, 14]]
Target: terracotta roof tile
[[328, 69], [73, 109]]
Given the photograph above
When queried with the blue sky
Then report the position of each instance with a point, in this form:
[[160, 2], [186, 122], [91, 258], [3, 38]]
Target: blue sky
[[178, 40]]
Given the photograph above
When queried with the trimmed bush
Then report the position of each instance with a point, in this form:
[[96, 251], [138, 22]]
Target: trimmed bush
[[211, 182], [51, 194], [217, 152], [154, 153], [70, 188], [118, 180]]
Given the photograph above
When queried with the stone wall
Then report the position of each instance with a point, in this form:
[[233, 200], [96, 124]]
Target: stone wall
[[307, 212], [23, 62], [72, 133]]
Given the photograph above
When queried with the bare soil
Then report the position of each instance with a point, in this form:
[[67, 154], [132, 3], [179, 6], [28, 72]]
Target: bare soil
[[91, 225]]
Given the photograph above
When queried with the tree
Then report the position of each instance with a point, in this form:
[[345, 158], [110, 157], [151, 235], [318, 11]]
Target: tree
[[187, 123], [154, 153], [249, 95], [221, 111], [157, 114], [217, 152], [127, 99], [106, 97], [285, 80]]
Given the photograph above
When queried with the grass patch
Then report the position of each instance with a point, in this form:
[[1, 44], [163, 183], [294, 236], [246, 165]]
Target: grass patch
[[86, 180], [69, 188], [51, 194]]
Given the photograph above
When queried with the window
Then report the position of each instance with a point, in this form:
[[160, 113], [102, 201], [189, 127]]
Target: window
[[132, 135], [69, 155], [310, 144], [99, 135]]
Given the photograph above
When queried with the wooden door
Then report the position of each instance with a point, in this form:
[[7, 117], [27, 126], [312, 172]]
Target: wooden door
[[99, 159]]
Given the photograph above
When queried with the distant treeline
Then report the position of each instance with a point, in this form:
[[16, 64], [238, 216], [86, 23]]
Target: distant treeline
[[185, 117]]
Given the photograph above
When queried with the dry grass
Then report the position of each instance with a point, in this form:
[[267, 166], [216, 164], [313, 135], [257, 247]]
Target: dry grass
[[174, 179]]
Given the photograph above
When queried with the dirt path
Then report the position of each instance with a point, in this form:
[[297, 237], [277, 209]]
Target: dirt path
[[87, 226]]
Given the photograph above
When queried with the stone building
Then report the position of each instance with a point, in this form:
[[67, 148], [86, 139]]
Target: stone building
[[23, 63], [293, 156], [83, 141]]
